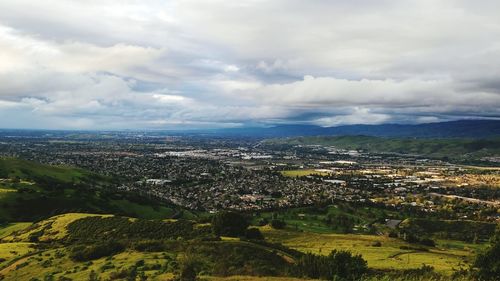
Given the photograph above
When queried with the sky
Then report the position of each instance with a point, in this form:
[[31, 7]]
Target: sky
[[105, 64]]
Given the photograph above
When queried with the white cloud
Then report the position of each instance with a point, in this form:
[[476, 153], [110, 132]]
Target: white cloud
[[220, 63], [357, 116]]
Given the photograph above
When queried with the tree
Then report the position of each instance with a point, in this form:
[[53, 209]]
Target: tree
[[336, 264], [488, 263], [254, 234], [278, 224], [229, 224]]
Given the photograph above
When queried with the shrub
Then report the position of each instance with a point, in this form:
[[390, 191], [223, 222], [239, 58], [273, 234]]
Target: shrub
[[336, 264], [428, 242], [86, 253], [229, 224], [149, 246], [254, 234], [278, 224]]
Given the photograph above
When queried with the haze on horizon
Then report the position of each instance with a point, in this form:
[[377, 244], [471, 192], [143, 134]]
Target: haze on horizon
[[206, 64]]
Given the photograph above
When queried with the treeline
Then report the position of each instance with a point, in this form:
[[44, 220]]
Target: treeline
[[337, 265], [469, 231]]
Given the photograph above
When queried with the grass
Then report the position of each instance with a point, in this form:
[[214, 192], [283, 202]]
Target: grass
[[303, 173], [444, 258], [313, 219], [251, 278], [14, 167], [54, 228], [143, 211], [10, 228], [11, 251], [31, 191], [56, 263]]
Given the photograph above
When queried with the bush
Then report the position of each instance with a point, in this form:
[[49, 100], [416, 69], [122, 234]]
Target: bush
[[86, 253], [254, 234], [337, 264], [488, 263], [428, 242], [229, 224], [278, 224], [149, 246]]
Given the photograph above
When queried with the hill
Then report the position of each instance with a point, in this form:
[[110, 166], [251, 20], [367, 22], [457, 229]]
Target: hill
[[77, 246], [31, 191], [452, 129], [457, 149]]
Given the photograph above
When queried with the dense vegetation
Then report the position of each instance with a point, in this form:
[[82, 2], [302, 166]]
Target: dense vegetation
[[92, 229], [338, 264], [471, 231]]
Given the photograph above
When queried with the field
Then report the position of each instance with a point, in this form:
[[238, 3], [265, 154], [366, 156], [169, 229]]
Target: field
[[448, 255], [314, 219], [303, 173]]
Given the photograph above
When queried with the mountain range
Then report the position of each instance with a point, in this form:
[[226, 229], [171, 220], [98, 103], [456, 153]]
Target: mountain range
[[451, 129]]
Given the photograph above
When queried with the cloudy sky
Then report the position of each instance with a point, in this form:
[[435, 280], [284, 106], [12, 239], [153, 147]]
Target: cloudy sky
[[103, 64]]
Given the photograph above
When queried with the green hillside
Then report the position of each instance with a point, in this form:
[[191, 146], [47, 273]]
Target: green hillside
[[80, 246], [23, 169], [75, 245], [31, 191], [457, 149]]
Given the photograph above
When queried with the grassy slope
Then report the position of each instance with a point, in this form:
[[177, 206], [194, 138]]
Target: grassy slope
[[26, 263], [453, 148], [14, 167], [31, 191], [446, 256], [10, 228]]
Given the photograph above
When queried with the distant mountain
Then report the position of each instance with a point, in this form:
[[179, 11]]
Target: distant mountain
[[452, 129]]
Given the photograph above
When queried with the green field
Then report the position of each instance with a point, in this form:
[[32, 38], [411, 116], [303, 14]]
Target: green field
[[448, 255], [303, 173], [314, 219]]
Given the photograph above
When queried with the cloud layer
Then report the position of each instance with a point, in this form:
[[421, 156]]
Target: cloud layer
[[178, 64]]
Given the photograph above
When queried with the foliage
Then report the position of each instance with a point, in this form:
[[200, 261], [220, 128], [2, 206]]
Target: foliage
[[488, 262], [253, 234], [278, 224], [336, 264], [229, 224], [99, 250], [459, 230], [111, 228]]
